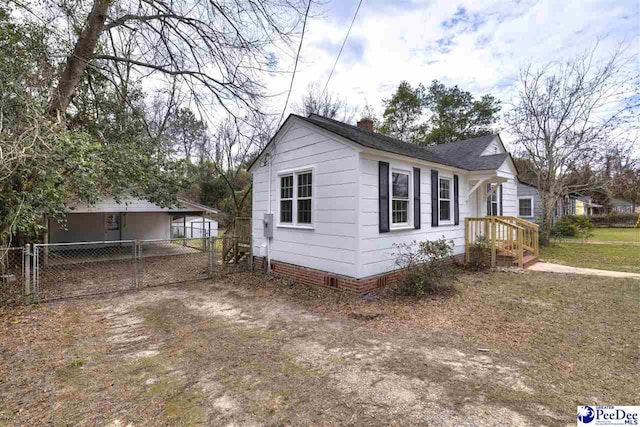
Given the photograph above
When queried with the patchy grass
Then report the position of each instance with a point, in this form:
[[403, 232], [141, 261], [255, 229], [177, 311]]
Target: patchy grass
[[575, 337], [631, 235], [615, 257], [523, 349]]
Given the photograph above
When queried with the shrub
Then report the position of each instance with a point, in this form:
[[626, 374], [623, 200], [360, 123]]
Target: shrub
[[572, 226], [425, 267], [614, 220], [479, 254]]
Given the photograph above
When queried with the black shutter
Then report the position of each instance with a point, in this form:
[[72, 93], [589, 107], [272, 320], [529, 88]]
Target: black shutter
[[434, 198], [456, 203], [383, 196], [416, 198], [501, 212]]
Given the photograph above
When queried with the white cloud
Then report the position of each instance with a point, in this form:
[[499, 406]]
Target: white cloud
[[480, 47]]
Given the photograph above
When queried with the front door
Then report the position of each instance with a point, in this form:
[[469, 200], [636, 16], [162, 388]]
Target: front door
[[112, 226], [493, 200]]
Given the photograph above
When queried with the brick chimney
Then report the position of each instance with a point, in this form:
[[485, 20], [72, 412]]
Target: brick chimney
[[365, 123]]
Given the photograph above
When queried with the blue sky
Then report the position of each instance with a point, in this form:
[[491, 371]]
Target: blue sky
[[478, 45]]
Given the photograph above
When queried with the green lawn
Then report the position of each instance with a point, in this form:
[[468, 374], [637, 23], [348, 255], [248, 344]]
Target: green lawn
[[615, 235], [616, 257]]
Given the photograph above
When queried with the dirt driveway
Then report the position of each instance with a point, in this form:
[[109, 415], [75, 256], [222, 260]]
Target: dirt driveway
[[227, 353]]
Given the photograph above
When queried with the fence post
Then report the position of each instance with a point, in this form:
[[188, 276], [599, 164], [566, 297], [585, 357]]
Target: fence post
[[137, 254], [212, 255], [27, 269], [35, 282]]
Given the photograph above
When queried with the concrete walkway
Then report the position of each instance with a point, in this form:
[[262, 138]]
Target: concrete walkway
[[559, 268]]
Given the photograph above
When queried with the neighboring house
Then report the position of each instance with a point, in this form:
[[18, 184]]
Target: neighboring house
[[621, 206], [194, 227], [330, 200], [129, 219], [530, 204]]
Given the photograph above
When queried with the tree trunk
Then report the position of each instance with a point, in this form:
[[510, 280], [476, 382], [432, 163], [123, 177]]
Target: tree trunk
[[78, 60], [548, 203]]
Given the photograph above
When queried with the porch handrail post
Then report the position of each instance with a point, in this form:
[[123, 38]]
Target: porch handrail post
[[466, 239], [493, 242], [520, 249]]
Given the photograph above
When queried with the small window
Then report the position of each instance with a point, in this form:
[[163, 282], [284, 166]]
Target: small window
[[304, 198], [445, 199], [296, 203], [492, 200], [399, 198], [286, 199], [525, 207]]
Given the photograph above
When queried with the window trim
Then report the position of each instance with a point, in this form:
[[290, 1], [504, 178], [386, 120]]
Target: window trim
[[531, 200], [497, 196], [294, 214], [401, 225], [450, 221]]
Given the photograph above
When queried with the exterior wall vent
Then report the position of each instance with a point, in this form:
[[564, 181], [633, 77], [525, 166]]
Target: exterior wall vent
[[331, 281]]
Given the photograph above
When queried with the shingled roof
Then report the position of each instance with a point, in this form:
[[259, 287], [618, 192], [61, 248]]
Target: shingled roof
[[464, 154]]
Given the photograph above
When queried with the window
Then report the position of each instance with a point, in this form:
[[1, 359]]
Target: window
[[525, 207], [304, 198], [445, 199], [399, 198], [296, 198], [286, 199], [492, 200]]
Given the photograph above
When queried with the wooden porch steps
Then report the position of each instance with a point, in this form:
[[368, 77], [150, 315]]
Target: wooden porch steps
[[528, 260], [507, 259]]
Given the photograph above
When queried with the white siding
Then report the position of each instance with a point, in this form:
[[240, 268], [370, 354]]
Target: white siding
[[331, 245], [509, 189], [493, 148], [376, 249], [90, 227]]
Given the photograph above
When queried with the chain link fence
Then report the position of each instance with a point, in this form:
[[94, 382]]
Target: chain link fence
[[12, 275], [63, 270]]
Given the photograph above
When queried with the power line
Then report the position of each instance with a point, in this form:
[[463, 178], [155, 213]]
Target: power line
[[295, 66], [342, 47]]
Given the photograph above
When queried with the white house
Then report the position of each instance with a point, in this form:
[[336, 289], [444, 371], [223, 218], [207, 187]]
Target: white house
[[331, 199], [127, 219]]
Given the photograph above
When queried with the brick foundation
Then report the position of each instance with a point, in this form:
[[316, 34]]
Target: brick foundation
[[310, 276]]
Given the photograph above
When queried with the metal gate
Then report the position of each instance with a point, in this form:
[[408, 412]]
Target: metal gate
[[63, 270]]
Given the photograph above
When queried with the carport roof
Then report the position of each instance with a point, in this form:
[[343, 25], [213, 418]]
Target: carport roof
[[111, 205]]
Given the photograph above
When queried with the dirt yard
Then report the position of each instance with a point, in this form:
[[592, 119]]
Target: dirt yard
[[506, 349]]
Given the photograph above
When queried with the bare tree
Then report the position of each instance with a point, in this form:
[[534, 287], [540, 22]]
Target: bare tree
[[216, 49], [235, 146], [563, 115], [324, 103]]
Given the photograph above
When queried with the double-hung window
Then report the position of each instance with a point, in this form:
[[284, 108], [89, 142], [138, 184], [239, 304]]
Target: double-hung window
[[296, 198], [304, 197], [399, 198], [444, 199], [525, 207], [492, 200], [286, 199]]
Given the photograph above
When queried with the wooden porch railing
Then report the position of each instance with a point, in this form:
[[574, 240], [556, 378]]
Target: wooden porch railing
[[507, 234], [236, 240]]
